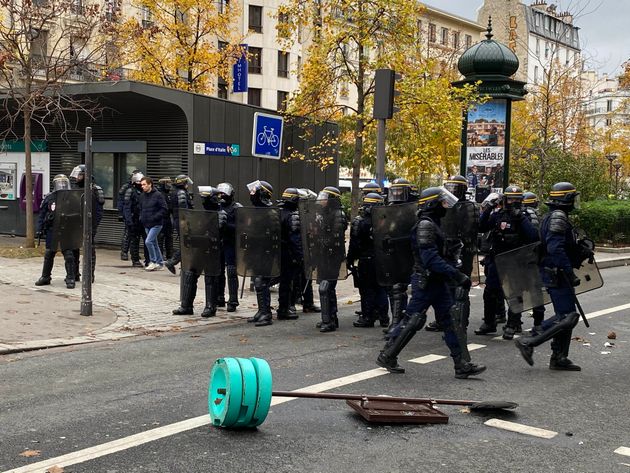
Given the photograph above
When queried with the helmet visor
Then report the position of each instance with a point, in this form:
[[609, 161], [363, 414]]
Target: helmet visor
[[225, 188], [61, 183], [448, 199], [576, 201], [76, 172], [398, 193]]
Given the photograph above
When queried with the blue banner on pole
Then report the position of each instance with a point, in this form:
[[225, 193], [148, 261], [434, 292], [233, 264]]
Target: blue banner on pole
[[239, 72]]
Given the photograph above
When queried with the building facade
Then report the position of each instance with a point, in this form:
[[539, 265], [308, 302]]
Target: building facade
[[607, 104], [538, 33]]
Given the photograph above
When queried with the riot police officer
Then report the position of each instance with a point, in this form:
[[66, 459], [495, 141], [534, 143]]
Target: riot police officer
[[77, 178], [563, 253], [120, 204], [290, 251], [179, 199], [400, 192], [508, 229], [429, 282], [332, 230], [226, 193], [210, 200], [44, 228], [302, 287], [530, 209], [361, 248], [371, 187], [165, 238], [260, 193], [131, 211]]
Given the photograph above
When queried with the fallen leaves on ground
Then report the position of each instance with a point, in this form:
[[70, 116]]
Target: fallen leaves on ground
[[21, 253], [54, 469], [612, 335], [30, 453]]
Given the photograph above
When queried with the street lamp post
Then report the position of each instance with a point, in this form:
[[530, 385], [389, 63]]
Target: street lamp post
[[617, 172]]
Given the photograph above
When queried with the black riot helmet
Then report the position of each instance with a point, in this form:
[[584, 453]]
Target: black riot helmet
[[210, 197], [435, 200], [290, 196], [330, 195], [78, 175], [370, 200], [565, 196], [61, 182], [182, 181], [399, 191], [512, 197], [164, 184], [371, 187], [457, 185], [530, 200], [226, 191], [260, 193]]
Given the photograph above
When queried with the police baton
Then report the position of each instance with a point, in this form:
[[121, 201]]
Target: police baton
[[575, 299]]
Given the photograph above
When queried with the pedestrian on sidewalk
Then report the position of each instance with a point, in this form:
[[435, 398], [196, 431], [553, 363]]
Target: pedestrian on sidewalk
[[153, 212]]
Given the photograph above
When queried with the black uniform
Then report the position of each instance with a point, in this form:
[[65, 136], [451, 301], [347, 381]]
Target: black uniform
[[229, 257], [124, 243], [131, 211], [179, 199], [291, 255], [98, 203]]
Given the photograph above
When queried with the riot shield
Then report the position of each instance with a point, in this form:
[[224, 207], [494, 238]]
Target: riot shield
[[462, 222], [68, 223], [258, 241], [323, 240], [391, 229], [200, 241], [521, 281]]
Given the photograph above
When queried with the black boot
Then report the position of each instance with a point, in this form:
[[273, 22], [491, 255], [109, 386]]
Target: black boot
[[362, 322], [68, 256], [232, 284], [513, 325], [464, 369], [211, 309], [434, 327], [388, 358], [187, 293], [560, 352], [526, 344], [489, 325], [263, 316], [460, 312], [168, 264], [328, 322], [49, 261], [486, 329]]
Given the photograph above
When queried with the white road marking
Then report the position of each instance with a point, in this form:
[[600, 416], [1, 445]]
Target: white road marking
[[475, 346], [423, 360], [521, 429], [623, 451]]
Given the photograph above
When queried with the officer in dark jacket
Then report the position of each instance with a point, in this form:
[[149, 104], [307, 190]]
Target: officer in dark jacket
[[77, 177], [44, 228], [332, 233], [180, 199], [508, 229], [260, 193], [530, 209], [291, 254], [361, 247], [303, 288], [210, 199], [124, 244], [563, 253], [226, 195], [131, 212], [165, 238], [429, 283]]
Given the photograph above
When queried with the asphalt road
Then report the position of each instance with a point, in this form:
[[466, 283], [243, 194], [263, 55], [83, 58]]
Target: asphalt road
[[64, 400]]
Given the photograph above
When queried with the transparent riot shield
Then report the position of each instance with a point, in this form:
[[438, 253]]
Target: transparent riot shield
[[200, 241], [520, 278], [68, 223], [462, 222], [258, 241], [323, 240], [391, 229]]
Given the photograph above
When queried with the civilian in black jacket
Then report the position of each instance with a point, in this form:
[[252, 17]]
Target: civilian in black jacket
[[153, 211]]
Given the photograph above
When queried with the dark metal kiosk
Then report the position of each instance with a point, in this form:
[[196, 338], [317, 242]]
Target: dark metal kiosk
[[486, 132]]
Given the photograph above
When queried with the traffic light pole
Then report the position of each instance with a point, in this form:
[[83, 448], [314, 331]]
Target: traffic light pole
[[380, 152]]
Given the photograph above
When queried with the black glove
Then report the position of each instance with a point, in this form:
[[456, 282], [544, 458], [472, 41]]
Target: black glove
[[462, 280], [574, 280]]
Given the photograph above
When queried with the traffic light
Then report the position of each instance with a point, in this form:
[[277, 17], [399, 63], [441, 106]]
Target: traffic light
[[384, 93]]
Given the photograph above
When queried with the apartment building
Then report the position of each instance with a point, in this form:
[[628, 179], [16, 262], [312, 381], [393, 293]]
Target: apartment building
[[538, 33], [607, 103]]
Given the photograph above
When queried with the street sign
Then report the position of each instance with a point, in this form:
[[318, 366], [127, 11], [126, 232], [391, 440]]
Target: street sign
[[267, 136], [239, 72], [212, 148]]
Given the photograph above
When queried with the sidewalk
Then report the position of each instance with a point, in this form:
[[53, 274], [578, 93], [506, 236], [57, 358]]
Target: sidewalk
[[126, 302]]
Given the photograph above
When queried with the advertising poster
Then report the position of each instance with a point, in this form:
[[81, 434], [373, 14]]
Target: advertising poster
[[8, 172], [485, 146]]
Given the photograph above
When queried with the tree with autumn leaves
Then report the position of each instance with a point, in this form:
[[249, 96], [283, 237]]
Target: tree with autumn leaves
[[183, 44], [349, 40]]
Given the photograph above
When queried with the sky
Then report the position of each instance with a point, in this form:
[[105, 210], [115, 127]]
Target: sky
[[603, 27]]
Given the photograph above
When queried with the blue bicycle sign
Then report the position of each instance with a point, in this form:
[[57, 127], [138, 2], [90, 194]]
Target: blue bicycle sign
[[267, 136]]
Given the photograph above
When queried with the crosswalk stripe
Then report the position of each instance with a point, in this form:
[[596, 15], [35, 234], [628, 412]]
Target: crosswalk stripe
[[521, 428]]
